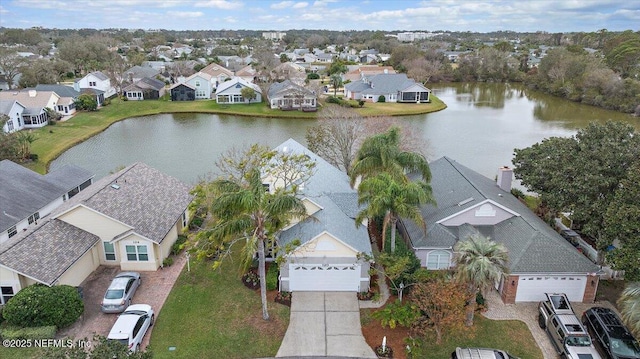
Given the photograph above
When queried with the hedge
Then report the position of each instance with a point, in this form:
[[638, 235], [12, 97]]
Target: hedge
[[272, 277], [39, 305]]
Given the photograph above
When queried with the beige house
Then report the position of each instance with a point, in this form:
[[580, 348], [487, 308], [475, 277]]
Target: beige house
[[129, 219]]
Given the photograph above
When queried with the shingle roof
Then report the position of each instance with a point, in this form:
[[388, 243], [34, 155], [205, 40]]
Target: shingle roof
[[278, 88], [47, 252], [383, 84], [6, 105], [140, 72], [38, 101], [60, 90], [99, 75], [24, 192], [533, 246], [237, 81], [146, 84], [329, 188]]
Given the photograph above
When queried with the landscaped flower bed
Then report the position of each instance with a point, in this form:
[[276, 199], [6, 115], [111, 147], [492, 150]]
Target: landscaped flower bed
[[283, 298], [251, 280]]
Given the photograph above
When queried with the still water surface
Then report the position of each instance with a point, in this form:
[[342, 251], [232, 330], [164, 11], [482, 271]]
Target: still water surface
[[481, 126]]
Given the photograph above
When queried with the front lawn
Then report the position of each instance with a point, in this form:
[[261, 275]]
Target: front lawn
[[512, 336], [211, 314]]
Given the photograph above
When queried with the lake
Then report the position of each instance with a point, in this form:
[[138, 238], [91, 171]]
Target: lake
[[480, 128]]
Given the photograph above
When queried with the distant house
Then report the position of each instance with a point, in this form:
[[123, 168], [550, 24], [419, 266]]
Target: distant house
[[201, 82], [230, 92], [145, 89], [289, 71], [35, 104], [356, 72], [68, 95], [287, 95], [247, 73], [137, 73], [218, 73], [128, 220], [393, 87], [95, 80], [13, 110], [182, 92], [325, 58]]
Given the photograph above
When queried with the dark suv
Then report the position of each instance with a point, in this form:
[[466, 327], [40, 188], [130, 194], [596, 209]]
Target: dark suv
[[612, 336]]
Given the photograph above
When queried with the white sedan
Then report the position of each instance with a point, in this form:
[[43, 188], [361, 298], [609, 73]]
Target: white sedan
[[132, 325]]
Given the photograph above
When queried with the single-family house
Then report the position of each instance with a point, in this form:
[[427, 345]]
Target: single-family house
[[13, 110], [145, 89], [68, 95], [247, 73], [470, 204], [182, 92], [230, 92], [289, 71], [218, 73], [95, 80], [356, 72], [287, 95], [201, 82], [329, 255], [28, 196], [137, 73], [35, 103], [325, 58], [129, 220], [393, 87]]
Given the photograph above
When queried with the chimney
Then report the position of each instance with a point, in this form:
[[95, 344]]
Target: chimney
[[504, 178], [32, 93]]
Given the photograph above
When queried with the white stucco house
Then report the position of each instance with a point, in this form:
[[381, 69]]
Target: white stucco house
[[129, 219], [328, 257], [13, 110], [203, 84], [287, 95], [35, 104], [230, 92], [95, 80]]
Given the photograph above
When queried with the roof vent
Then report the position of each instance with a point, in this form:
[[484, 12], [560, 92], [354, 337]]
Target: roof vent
[[463, 202], [115, 186]]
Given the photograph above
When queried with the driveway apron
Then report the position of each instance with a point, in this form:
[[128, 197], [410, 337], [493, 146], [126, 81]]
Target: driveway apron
[[324, 324]]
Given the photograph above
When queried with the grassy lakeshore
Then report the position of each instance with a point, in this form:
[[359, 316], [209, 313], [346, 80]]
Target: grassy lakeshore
[[53, 140]]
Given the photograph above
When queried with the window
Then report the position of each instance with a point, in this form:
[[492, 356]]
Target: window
[[7, 293], [137, 253], [9, 126], [92, 83], [438, 260], [197, 83], [184, 219], [109, 251], [12, 231], [34, 217]]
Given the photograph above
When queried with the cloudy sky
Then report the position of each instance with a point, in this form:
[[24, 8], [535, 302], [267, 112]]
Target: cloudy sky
[[454, 15]]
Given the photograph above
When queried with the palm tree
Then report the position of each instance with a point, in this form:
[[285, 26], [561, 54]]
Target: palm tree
[[381, 153], [479, 263], [388, 198], [249, 214], [336, 81], [630, 307]]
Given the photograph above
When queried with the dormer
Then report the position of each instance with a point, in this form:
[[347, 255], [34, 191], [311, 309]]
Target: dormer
[[485, 213]]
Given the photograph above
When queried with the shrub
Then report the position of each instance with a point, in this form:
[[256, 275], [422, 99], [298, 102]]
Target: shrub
[[15, 332], [196, 223], [517, 193], [313, 76], [178, 246], [397, 313], [272, 277], [106, 102], [333, 99], [167, 262], [38, 305], [361, 103], [381, 98]]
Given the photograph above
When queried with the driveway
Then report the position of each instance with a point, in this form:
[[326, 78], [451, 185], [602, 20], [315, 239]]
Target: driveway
[[324, 324], [154, 290]]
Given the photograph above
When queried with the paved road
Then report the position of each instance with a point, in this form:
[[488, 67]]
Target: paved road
[[325, 324]]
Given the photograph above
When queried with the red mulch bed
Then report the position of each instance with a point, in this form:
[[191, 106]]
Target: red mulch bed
[[373, 333]]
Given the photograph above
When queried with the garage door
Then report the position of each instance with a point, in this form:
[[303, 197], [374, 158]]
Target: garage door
[[324, 278], [532, 288]]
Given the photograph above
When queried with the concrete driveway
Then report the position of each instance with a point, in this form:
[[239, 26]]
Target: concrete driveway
[[324, 324]]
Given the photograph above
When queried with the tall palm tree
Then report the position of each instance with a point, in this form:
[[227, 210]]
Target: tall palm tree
[[479, 263], [336, 81], [382, 153], [630, 307], [391, 199], [247, 213]]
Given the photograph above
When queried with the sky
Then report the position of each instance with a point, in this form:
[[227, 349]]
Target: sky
[[385, 15]]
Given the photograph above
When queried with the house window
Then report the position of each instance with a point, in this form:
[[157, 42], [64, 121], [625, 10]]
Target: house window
[[7, 293], [438, 260], [109, 251], [197, 83], [34, 217], [137, 253], [92, 83], [12, 231], [60, 107], [9, 126], [184, 219]]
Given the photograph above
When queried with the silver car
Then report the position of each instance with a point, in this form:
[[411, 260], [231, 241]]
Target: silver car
[[480, 353], [132, 325], [120, 292]]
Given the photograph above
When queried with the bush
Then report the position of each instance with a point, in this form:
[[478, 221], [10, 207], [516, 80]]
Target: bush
[[106, 102], [38, 305], [272, 277], [381, 98], [178, 246], [313, 76], [196, 223], [167, 262], [15, 332], [333, 99], [397, 313]]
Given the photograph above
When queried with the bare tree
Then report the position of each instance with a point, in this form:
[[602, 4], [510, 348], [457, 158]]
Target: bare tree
[[10, 63], [115, 68], [412, 138], [421, 70]]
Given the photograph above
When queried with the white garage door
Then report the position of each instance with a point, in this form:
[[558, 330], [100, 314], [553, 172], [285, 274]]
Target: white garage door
[[334, 277], [533, 288]]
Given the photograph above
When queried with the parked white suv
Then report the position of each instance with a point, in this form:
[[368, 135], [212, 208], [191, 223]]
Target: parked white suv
[[132, 325]]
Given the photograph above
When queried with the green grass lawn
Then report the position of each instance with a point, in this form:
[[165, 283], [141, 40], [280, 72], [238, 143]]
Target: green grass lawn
[[512, 336], [211, 314], [18, 353]]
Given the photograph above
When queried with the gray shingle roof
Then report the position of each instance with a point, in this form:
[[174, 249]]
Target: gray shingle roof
[[47, 252], [140, 72], [60, 90], [280, 88], [100, 75], [145, 84], [6, 105], [330, 188], [383, 84], [533, 246], [24, 192]]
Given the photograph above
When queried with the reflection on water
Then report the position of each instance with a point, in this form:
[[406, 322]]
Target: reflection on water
[[481, 126]]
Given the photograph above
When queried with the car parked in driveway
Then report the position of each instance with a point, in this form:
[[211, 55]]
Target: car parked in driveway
[[120, 292], [480, 353], [131, 326], [610, 334]]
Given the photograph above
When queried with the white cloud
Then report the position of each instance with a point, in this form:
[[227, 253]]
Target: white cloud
[[220, 4], [281, 5], [3, 10], [301, 5], [185, 14], [231, 19]]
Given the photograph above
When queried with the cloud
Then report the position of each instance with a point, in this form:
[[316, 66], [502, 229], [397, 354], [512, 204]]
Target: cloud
[[301, 5], [281, 5], [3, 10], [185, 14], [220, 4]]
